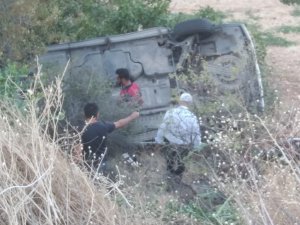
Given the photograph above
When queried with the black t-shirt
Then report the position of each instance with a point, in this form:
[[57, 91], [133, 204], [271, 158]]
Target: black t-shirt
[[93, 139]]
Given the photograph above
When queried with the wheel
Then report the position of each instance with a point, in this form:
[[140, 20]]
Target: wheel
[[190, 27]]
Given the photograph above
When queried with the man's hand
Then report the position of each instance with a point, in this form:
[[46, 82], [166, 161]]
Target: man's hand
[[135, 115], [123, 122]]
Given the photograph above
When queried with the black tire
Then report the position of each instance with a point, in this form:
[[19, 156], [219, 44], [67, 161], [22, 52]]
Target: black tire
[[187, 28]]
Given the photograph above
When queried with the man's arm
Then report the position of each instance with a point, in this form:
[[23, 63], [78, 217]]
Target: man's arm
[[160, 134], [197, 139], [161, 130], [123, 122]]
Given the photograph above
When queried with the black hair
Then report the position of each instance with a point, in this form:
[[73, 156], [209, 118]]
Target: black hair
[[91, 110], [123, 73]]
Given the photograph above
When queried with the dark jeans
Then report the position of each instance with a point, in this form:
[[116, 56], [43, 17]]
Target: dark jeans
[[174, 156]]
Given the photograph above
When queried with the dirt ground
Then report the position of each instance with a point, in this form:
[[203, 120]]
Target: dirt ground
[[284, 62]]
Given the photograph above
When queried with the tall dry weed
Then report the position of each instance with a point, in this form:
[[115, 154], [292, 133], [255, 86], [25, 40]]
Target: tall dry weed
[[40, 184], [257, 166]]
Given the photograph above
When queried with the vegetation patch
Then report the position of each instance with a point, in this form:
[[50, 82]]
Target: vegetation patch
[[205, 13], [13, 80], [271, 39], [296, 12], [291, 2], [39, 23], [289, 29], [223, 214]]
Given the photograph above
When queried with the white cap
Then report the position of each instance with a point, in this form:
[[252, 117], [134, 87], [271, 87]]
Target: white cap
[[186, 97]]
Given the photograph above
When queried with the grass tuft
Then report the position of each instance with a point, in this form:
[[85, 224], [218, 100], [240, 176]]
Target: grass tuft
[[205, 13], [289, 29], [296, 12], [270, 39]]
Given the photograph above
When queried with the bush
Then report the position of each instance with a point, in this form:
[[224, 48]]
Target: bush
[[296, 12], [290, 2], [130, 15], [205, 13], [13, 79], [41, 180], [25, 32]]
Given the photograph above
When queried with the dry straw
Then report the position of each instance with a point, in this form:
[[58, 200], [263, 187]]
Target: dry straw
[[40, 184]]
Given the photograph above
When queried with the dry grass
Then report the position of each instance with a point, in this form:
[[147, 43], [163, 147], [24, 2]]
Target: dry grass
[[40, 184], [258, 168]]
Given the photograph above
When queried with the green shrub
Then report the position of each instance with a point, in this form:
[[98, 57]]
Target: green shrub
[[132, 14], [289, 29], [205, 13], [211, 14], [222, 214], [11, 75], [272, 40], [29, 25], [290, 2], [296, 12]]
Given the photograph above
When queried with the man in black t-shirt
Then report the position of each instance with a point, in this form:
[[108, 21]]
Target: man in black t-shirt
[[94, 136]]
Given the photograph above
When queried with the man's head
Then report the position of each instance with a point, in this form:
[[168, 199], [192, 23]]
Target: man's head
[[91, 110], [123, 77], [185, 99]]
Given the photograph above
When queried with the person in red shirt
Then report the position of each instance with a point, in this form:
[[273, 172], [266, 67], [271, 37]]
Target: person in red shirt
[[130, 91]]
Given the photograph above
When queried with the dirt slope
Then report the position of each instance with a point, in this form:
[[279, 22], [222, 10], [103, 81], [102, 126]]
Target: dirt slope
[[270, 14]]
